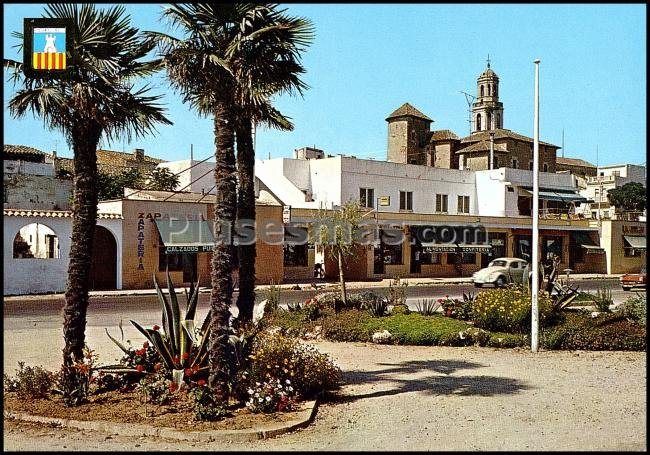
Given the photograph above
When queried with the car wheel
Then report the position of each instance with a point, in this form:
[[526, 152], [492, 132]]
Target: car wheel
[[500, 282], [626, 288], [478, 285]]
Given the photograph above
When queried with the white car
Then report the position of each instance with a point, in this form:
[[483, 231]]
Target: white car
[[501, 271]]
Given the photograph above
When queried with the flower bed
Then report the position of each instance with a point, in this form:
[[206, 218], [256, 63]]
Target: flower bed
[[130, 407]]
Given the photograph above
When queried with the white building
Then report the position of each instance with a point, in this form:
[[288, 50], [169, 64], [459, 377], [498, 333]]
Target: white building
[[37, 246], [30, 181], [607, 179], [193, 176]]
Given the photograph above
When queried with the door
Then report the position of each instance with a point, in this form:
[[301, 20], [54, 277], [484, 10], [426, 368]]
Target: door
[[189, 267]]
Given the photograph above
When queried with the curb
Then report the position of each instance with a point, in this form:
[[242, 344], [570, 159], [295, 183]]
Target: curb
[[307, 413]]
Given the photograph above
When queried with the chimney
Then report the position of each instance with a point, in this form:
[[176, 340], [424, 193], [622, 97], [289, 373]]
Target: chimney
[[138, 154]]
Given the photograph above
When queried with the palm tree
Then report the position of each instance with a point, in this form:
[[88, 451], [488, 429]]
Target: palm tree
[[208, 68], [266, 66], [97, 100]]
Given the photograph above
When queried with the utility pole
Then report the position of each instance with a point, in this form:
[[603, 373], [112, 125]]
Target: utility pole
[[470, 99], [534, 343]]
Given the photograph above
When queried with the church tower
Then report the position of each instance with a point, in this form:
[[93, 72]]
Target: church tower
[[487, 111]]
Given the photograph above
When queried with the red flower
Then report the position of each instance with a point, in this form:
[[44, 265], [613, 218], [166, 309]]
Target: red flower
[[157, 366], [145, 344], [188, 372], [176, 359], [156, 327], [172, 387], [201, 382], [141, 351], [186, 356], [140, 368]]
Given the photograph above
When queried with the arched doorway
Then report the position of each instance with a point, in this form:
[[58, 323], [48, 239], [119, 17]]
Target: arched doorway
[[103, 269]]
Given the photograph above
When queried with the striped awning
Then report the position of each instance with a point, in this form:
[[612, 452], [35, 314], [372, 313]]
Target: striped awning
[[557, 196], [185, 236]]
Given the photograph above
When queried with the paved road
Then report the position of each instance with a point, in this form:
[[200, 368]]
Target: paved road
[[439, 398], [32, 329]]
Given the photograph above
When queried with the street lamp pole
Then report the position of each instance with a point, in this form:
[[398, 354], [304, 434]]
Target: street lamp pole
[[535, 237], [492, 149]]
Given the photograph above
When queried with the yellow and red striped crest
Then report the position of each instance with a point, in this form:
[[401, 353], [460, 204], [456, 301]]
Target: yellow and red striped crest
[[49, 61]]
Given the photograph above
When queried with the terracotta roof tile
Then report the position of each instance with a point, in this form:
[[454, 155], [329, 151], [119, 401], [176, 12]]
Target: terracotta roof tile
[[482, 146], [500, 133], [443, 135], [407, 110], [573, 162]]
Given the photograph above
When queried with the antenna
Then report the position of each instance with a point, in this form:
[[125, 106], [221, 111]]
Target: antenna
[[470, 99]]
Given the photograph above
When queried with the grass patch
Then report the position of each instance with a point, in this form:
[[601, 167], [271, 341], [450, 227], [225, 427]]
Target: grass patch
[[415, 329]]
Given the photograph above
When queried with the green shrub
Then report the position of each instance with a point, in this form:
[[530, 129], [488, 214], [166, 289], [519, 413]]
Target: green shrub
[[397, 291], [458, 309], [607, 332], [278, 357], [427, 307], [508, 340], [30, 382], [346, 326], [271, 396], [508, 309], [155, 388], [206, 407], [635, 308], [603, 299], [292, 323], [400, 309], [378, 307], [272, 296], [415, 329]]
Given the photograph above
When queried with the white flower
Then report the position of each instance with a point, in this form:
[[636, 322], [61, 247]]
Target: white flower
[[258, 384], [260, 400], [287, 381], [257, 394], [251, 391], [268, 398], [290, 389]]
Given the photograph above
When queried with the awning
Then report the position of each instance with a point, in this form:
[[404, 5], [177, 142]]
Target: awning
[[185, 236], [557, 196], [637, 243], [582, 239]]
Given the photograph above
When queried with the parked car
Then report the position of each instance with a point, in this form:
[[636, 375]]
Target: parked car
[[500, 272], [630, 280]]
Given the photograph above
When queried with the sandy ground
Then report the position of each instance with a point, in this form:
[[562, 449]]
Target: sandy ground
[[440, 398]]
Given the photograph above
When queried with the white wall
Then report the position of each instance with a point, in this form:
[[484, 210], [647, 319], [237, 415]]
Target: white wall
[[199, 178], [38, 276], [27, 167]]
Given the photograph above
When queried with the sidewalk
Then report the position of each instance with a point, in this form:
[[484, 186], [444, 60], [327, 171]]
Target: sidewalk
[[303, 286]]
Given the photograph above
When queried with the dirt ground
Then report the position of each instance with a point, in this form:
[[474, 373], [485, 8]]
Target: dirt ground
[[439, 398]]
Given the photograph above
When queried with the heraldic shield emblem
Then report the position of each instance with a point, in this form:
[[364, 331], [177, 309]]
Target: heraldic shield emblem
[[47, 46]]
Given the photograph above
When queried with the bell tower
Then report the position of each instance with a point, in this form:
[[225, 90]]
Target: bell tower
[[487, 111]]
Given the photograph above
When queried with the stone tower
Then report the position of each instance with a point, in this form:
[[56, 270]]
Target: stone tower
[[407, 134], [487, 111]]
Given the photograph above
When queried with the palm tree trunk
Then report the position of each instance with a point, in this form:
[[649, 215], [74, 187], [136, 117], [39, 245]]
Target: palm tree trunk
[[222, 256], [344, 293], [246, 212], [81, 250]]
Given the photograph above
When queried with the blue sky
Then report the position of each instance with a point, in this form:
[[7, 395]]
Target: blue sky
[[367, 60]]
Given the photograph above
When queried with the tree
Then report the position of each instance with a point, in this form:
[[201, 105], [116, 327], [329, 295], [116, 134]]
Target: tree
[[98, 99], [111, 186], [630, 197], [161, 179], [266, 66], [208, 69], [338, 231]]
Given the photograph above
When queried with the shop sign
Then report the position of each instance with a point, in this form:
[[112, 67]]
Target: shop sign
[[140, 244], [384, 201], [188, 249]]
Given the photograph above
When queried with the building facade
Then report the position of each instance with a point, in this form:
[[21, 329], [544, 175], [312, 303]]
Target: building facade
[[607, 179]]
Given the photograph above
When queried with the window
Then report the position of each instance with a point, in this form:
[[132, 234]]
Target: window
[[551, 245], [441, 203], [596, 192], [390, 254], [174, 260], [515, 163], [406, 200], [545, 167], [37, 241], [488, 123], [498, 125], [463, 204], [530, 165], [427, 256], [616, 173], [478, 122], [367, 197], [468, 258], [296, 254], [482, 91], [495, 162]]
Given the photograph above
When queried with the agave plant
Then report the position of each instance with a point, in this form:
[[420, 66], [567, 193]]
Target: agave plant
[[427, 307], [179, 345]]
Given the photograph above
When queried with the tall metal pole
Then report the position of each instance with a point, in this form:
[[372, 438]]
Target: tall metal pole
[[534, 342], [492, 149]]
